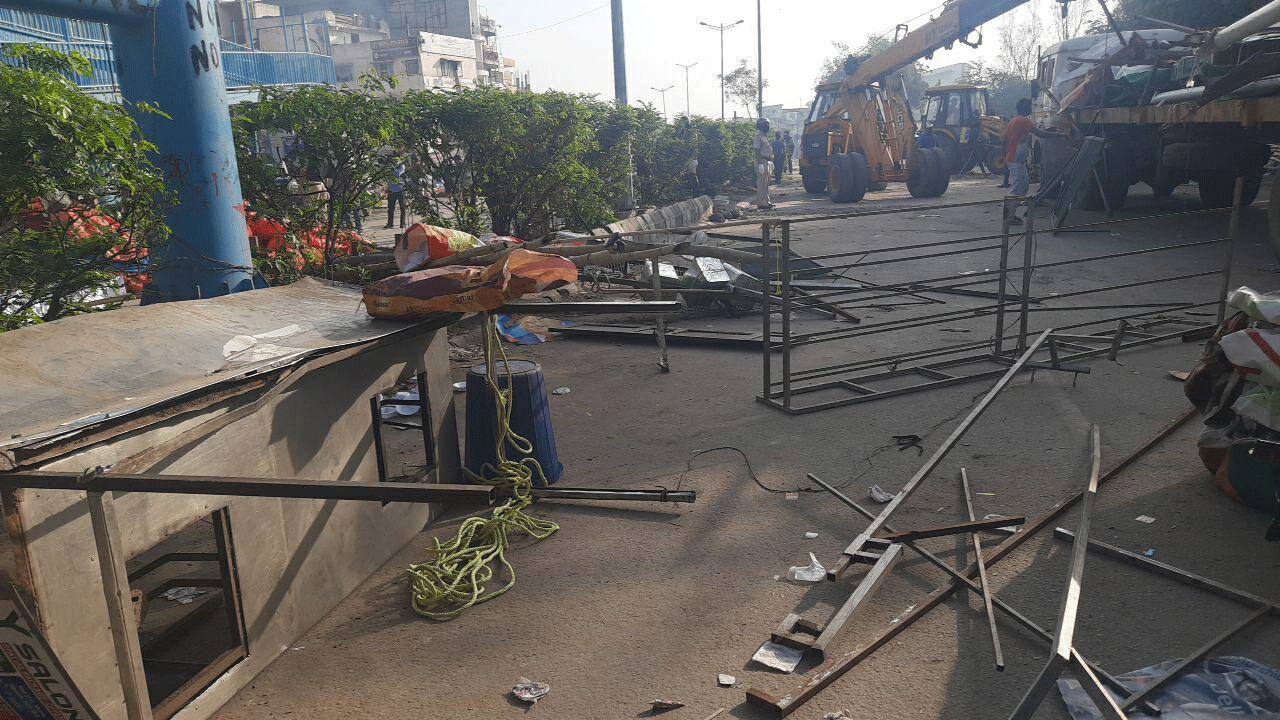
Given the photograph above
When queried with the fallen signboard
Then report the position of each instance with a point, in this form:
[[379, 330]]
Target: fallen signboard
[[33, 684]]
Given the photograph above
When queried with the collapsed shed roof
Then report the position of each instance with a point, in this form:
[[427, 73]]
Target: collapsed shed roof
[[72, 374]]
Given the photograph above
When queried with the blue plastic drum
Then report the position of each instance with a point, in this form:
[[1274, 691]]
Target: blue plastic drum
[[530, 417]]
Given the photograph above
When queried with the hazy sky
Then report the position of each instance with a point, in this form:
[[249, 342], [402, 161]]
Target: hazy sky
[[575, 55]]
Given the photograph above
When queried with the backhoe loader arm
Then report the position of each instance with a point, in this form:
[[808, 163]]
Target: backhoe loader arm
[[957, 20]]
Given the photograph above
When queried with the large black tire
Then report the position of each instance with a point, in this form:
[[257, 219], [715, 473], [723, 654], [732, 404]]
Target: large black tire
[[1115, 183], [849, 178], [952, 154], [922, 173], [1219, 190], [815, 181], [942, 180]]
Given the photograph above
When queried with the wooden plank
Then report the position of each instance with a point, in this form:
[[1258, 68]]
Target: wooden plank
[[866, 588], [1064, 635], [831, 670], [252, 487], [982, 574], [970, 526], [115, 586], [938, 456]]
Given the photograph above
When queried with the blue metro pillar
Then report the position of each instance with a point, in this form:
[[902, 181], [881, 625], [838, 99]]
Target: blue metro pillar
[[167, 55]]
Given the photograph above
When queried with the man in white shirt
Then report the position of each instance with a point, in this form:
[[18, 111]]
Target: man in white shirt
[[764, 154]]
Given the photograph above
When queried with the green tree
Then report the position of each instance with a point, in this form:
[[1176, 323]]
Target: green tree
[[79, 198], [833, 68], [344, 147], [1004, 89], [741, 85], [529, 163]]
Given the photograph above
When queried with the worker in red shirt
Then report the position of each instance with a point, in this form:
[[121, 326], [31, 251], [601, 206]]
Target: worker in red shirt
[[1017, 138]]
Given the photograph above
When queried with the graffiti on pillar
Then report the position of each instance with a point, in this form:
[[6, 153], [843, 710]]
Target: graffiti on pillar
[[205, 54]]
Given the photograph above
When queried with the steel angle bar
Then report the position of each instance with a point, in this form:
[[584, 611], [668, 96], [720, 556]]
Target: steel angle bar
[[982, 573], [1195, 657], [967, 582], [1094, 688], [1064, 634], [941, 453], [833, 669], [973, 525], [858, 599], [1169, 571]]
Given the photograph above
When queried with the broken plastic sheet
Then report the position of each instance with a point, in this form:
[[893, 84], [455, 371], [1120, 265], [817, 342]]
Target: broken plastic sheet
[[1257, 352], [1220, 688], [1264, 307]]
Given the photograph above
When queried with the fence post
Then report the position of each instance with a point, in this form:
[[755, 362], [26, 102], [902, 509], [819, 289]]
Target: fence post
[[766, 307], [1028, 269], [1228, 255], [784, 261], [1004, 277]]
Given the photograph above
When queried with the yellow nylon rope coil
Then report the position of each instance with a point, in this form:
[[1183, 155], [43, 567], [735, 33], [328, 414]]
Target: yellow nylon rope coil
[[459, 571]]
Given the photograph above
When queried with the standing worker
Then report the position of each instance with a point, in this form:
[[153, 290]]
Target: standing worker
[[1018, 152], [790, 148], [764, 154], [395, 194], [779, 152]]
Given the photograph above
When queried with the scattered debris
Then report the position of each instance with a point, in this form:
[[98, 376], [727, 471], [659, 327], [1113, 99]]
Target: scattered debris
[[778, 657], [661, 706], [1145, 519], [726, 680], [813, 572], [526, 330], [810, 535], [1215, 688], [1151, 552], [183, 595], [836, 716], [1006, 528], [909, 441], [530, 691], [461, 352], [460, 386], [791, 496], [878, 494], [1180, 375], [561, 391]]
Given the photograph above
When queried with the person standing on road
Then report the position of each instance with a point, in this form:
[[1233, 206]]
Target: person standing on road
[[779, 152], [1018, 152], [789, 148], [395, 194], [764, 154]]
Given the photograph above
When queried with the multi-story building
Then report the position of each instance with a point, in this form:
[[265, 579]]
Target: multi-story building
[[428, 44]]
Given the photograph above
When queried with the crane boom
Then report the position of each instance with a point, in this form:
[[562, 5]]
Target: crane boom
[[958, 19]]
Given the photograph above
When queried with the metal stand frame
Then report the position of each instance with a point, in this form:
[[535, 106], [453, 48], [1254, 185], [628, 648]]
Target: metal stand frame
[[1015, 305], [423, 403]]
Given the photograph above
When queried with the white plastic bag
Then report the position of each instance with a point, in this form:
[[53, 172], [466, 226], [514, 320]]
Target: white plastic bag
[[813, 572]]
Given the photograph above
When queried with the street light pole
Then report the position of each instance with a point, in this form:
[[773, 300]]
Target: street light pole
[[721, 27], [759, 62], [687, 111], [619, 55], [663, 91]]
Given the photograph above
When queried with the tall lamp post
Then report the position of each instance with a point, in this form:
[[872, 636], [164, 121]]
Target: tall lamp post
[[759, 62], [721, 28], [688, 112], [663, 92]]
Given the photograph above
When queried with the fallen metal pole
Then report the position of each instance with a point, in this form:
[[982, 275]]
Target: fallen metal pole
[[833, 669], [982, 573], [245, 487], [1063, 640], [673, 496], [938, 456], [956, 575]]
